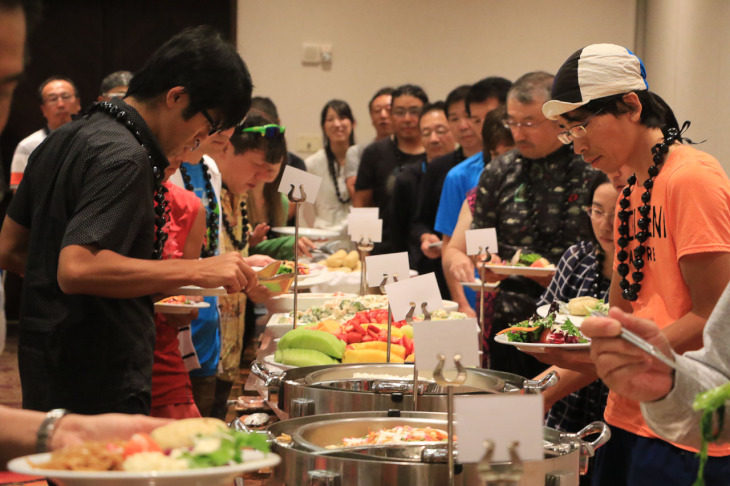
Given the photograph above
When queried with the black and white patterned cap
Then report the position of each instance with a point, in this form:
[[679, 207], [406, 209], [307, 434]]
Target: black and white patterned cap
[[596, 71]]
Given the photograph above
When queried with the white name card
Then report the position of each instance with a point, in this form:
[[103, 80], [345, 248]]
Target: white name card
[[503, 418], [449, 338], [481, 239], [422, 288], [391, 264], [364, 227], [309, 183]]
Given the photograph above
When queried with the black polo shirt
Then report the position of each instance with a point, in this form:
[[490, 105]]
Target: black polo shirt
[[89, 183]]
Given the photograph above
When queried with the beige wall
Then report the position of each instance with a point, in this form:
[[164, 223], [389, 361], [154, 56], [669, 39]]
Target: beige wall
[[686, 57], [436, 44]]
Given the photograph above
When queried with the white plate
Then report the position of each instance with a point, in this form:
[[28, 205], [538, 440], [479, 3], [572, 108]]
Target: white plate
[[165, 308], [195, 290], [269, 359], [315, 270], [524, 271], [560, 317], [310, 281], [476, 285], [311, 233], [208, 476], [540, 347]]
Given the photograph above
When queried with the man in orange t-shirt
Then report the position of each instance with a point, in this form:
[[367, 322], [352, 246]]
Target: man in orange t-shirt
[[672, 237]]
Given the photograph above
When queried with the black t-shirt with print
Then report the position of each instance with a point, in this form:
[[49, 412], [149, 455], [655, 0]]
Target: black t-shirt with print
[[89, 183]]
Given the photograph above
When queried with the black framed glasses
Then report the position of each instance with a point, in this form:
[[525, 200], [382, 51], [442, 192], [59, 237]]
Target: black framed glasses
[[268, 131], [214, 125], [577, 131]]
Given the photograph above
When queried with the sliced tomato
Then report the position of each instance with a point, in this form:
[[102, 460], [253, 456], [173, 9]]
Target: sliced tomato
[[544, 335], [140, 443]]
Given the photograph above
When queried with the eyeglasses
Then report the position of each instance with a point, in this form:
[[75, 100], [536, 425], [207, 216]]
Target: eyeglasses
[[576, 131], [511, 124], [118, 94], [402, 112], [596, 213], [214, 125], [56, 98], [440, 130], [196, 144], [268, 131]]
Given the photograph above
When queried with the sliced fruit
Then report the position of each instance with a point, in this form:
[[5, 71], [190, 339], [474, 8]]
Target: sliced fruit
[[303, 357], [410, 358], [321, 341], [407, 330], [369, 356], [396, 349]]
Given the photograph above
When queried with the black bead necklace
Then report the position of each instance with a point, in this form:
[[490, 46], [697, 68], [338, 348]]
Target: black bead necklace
[[238, 244], [213, 212], [334, 169], [598, 287], [158, 170], [630, 291]]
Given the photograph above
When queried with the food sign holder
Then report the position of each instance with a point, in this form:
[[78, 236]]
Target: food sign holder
[[502, 476], [478, 242], [438, 377], [487, 256], [365, 229], [364, 247], [297, 202], [409, 319], [390, 315]]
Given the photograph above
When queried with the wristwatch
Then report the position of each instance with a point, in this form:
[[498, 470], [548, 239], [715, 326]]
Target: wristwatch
[[48, 426]]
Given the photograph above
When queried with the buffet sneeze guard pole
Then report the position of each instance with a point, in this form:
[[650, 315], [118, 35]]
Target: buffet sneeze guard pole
[[409, 320], [438, 377], [297, 202], [362, 248], [481, 268], [390, 316]]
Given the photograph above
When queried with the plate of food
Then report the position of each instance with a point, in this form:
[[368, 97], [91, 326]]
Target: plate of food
[[178, 304], [476, 285], [575, 309], [202, 291], [311, 233], [200, 452], [524, 264], [539, 333]]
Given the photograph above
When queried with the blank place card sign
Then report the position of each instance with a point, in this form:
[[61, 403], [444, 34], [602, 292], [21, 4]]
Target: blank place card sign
[[372, 212], [448, 337], [310, 183], [364, 227], [502, 418], [391, 264], [422, 288], [485, 238]]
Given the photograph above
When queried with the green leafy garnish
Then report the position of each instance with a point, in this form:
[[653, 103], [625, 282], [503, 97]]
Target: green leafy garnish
[[529, 258], [710, 403], [229, 451], [569, 328], [284, 269]]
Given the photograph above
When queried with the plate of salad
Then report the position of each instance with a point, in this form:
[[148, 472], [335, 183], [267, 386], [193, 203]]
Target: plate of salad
[[178, 304], [524, 264], [539, 333]]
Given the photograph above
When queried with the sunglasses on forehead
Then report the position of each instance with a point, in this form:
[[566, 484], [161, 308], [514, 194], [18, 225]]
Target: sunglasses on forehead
[[268, 131]]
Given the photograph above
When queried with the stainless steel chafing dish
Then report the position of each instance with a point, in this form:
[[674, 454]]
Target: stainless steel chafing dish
[[306, 454], [337, 388]]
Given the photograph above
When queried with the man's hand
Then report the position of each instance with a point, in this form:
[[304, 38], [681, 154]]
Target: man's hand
[[76, 429], [258, 260], [462, 267], [426, 240], [260, 294], [626, 369], [304, 244], [487, 274], [579, 361], [228, 270], [467, 309], [258, 234]]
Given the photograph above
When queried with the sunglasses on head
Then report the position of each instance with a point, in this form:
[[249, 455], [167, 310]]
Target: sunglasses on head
[[268, 131]]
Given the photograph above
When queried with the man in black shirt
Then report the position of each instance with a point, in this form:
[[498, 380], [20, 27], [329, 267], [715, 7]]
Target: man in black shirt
[[382, 160], [84, 226]]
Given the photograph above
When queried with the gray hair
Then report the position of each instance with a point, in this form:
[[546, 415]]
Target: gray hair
[[115, 79], [537, 84]]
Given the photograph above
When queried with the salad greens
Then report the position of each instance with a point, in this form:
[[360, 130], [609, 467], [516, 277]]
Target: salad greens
[[529, 258], [710, 403], [228, 451], [601, 307]]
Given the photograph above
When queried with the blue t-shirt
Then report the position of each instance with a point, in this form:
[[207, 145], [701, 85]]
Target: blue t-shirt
[[205, 329], [459, 180]]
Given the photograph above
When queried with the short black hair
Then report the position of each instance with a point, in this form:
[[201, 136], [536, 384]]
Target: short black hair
[[435, 106], [484, 89], [493, 130], [382, 91], [209, 69], [274, 148], [114, 80], [341, 109], [265, 105], [410, 90], [56, 77], [457, 94]]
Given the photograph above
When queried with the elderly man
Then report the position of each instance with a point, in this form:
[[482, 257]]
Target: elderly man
[[534, 196], [87, 227], [115, 85], [59, 99]]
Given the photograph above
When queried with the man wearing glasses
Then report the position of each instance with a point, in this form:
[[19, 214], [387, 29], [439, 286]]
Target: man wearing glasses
[[534, 196], [383, 160], [59, 99]]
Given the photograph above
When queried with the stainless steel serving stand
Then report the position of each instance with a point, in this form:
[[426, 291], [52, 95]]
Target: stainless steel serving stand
[[481, 268], [362, 248], [409, 319], [390, 316], [449, 384], [503, 476], [297, 202]]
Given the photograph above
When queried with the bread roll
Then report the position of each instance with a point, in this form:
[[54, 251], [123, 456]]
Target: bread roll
[[181, 432], [579, 305]]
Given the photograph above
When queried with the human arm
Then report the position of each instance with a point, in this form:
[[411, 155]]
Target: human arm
[[14, 240], [20, 427], [569, 382], [455, 288], [427, 240], [363, 198], [258, 234], [352, 163], [84, 269]]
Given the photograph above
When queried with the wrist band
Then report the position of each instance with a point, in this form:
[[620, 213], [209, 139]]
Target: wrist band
[[48, 426]]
